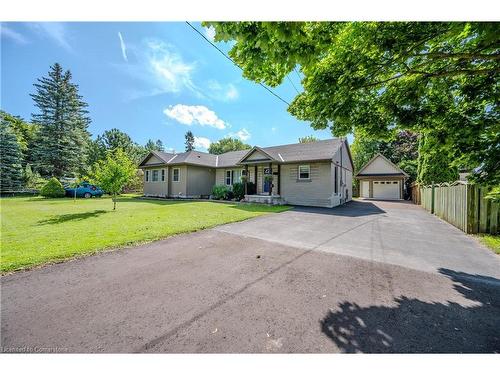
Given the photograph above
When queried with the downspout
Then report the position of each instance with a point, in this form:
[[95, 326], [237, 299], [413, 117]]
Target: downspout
[[341, 169]]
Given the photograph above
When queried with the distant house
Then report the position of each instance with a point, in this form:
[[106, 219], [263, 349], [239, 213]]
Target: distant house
[[381, 179], [312, 174]]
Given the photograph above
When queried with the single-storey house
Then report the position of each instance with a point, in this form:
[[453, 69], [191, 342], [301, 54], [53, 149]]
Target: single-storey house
[[381, 179], [312, 174]]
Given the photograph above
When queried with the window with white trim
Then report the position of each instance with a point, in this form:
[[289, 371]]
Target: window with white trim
[[176, 174], [163, 174], [229, 177], [304, 172], [147, 176], [155, 175]]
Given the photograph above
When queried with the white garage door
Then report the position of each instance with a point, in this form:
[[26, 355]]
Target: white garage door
[[386, 189]]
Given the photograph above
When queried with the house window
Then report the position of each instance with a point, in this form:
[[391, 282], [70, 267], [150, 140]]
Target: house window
[[336, 180], [229, 178], [147, 176], [304, 172], [176, 175], [155, 175], [163, 174]]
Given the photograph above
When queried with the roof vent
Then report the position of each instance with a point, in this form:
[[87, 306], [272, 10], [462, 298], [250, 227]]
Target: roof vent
[[198, 156]]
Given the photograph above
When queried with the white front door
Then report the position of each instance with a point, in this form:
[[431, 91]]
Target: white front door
[[386, 189], [365, 189]]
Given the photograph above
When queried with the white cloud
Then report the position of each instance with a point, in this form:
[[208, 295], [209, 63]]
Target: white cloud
[[55, 31], [201, 142], [11, 34], [123, 46], [210, 33], [242, 134], [223, 92], [169, 70], [194, 114]]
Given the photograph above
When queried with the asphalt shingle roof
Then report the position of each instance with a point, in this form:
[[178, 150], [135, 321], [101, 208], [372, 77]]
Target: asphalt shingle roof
[[319, 150], [297, 152]]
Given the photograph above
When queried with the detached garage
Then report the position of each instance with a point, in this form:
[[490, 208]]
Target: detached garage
[[381, 179]]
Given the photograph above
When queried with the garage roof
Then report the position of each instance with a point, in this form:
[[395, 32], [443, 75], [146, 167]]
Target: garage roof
[[375, 172]]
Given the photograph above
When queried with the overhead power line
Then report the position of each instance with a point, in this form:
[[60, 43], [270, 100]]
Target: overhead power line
[[230, 59], [293, 84]]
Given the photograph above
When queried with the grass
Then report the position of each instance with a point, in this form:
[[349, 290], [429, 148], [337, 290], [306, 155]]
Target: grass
[[35, 231], [491, 241]]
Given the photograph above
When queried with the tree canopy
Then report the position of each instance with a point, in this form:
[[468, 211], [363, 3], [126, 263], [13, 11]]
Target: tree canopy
[[63, 120], [308, 138], [439, 79], [227, 144], [402, 150], [154, 145], [11, 173], [189, 140], [113, 173]]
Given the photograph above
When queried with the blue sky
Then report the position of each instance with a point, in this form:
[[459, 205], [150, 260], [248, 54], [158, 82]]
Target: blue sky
[[150, 80]]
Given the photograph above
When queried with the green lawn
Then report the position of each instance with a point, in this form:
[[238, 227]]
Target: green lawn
[[491, 241], [36, 230]]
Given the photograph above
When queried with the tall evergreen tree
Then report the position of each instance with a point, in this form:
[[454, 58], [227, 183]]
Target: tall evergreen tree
[[189, 140], [63, 120], [24, 131], [11, 172]]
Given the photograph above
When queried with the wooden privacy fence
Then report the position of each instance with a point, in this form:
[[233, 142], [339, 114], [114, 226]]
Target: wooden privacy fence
[[462, 205]]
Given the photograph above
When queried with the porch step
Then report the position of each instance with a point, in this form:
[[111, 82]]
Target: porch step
[[265, 199]]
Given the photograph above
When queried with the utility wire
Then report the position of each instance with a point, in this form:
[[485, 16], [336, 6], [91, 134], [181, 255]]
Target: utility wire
[[230, 59], [298, 75], [292, 84]]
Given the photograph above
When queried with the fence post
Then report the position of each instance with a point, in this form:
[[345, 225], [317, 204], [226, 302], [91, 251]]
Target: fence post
[[432, 197]]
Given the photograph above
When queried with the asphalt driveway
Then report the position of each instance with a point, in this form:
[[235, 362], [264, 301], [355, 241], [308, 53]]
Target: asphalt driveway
[[393, 232], [360, 278]]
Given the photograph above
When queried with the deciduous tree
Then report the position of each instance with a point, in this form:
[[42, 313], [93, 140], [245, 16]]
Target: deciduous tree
[[113, 173], [383, 76], [308, 138], [227, 144]]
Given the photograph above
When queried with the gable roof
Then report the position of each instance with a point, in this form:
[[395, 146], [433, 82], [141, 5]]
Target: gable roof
[[400, 172], [296, 152], [230, 158]]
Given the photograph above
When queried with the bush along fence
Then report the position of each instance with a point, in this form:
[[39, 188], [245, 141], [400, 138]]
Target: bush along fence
[[461, 204]]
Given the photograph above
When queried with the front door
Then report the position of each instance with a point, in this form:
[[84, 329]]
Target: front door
[[267, 184]]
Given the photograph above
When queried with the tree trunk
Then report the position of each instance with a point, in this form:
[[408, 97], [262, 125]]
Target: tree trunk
[[114, 202]]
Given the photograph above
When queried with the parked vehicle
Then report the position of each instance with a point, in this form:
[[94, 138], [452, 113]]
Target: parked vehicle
[[84, 190]]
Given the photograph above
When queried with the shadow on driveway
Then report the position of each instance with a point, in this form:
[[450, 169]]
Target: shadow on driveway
[[415, 326], [350, 209]]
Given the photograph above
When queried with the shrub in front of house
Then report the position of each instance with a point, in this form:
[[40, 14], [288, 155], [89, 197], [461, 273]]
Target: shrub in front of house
[[52, 189], [220, 192], [239, 190]]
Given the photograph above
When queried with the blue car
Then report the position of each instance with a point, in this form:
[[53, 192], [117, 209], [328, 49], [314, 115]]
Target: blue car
[[84, 190]]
